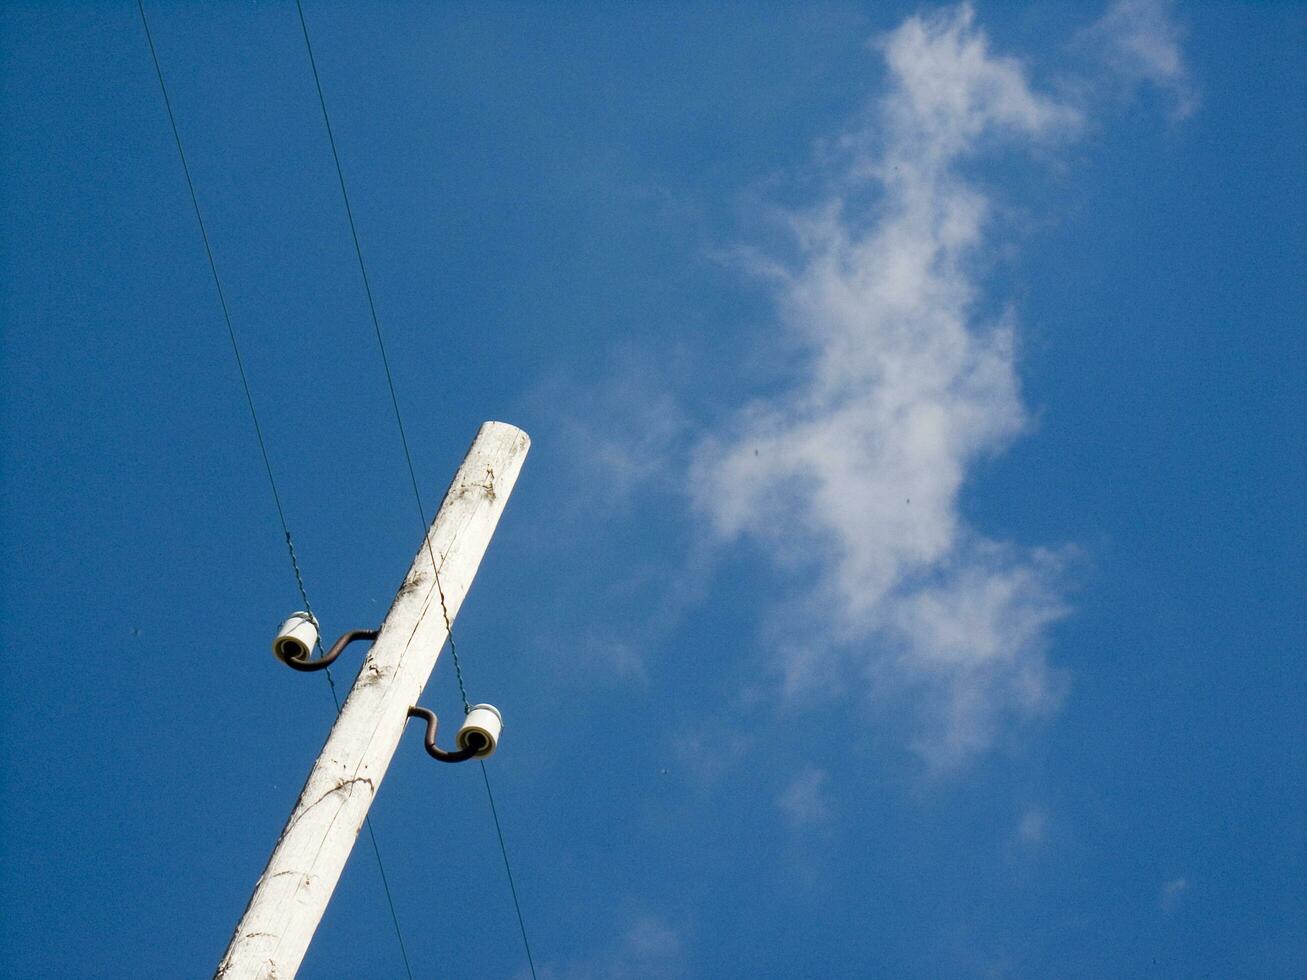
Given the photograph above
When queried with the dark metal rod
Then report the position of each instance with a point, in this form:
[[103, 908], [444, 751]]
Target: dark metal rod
[[433, 750], [328, 658]]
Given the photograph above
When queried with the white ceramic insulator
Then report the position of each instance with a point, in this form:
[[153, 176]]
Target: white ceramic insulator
[[296, 638], [485, 720]]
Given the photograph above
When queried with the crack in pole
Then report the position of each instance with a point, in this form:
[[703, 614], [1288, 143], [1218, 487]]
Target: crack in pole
[[341, 784]]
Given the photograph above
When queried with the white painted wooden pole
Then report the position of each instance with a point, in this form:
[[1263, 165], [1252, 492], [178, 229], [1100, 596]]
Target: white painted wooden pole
[[292, 894]]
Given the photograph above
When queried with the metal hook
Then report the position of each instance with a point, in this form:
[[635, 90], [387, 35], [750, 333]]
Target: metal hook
[[328, 658], [475, 741]]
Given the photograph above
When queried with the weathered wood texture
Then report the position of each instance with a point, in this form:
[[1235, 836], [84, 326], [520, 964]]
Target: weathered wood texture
[[292, 894]]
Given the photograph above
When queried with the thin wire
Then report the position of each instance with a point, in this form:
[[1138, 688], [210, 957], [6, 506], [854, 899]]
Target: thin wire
[[222, 298], [367, 818], [504, 850], [372, 836], [258, 431], [408, 458], [385, 360]]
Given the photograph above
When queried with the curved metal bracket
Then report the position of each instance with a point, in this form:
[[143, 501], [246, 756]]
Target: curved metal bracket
[[459, 755], [328, 658]]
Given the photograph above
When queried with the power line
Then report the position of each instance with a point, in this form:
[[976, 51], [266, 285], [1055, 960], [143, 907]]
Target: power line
[[222, 298], [381, 346], [504, 851], [408, 456], [372, 836], [258, 432]]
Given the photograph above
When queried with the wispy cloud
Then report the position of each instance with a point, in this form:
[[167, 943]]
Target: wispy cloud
[[622, 431], [804, 801], [617, 659], [1171, 893], [854, 474], [648, 949], [1141, 43], [1032, 829]]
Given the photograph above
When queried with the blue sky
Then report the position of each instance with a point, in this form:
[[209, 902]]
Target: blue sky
[[907, 575]]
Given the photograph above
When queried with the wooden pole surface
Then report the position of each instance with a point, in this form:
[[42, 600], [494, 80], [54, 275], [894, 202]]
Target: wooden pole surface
[[292, 894]]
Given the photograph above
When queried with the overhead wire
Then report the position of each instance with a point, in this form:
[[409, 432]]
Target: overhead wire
[[499, 832], [408, 458], [258, 432], [385, 360]]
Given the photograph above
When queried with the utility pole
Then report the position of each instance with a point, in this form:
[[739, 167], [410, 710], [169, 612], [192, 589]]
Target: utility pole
[[292, 894]]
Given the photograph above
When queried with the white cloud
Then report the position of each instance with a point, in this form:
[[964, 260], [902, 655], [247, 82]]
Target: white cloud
[[1171, 893], [804, 801], [647, 950], [709, 750], [621, 432], [618, 660], [855, 473], [1032, 829], [649, 938], [1141, 42]]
